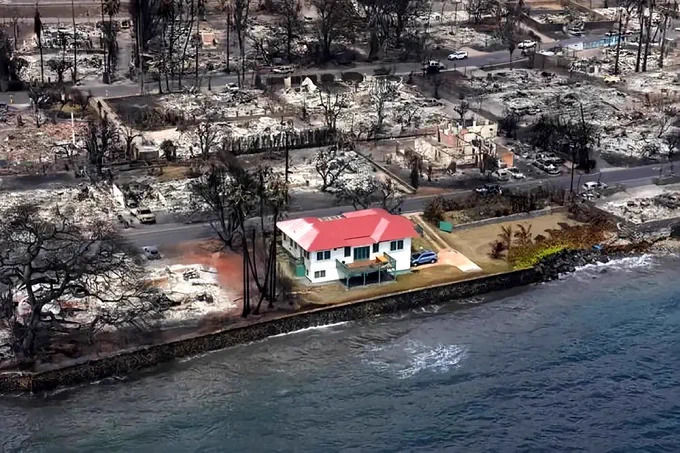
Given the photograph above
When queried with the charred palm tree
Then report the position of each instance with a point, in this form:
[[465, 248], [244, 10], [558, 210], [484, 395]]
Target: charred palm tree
[[37, 29]]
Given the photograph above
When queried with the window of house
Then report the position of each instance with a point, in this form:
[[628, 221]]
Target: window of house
[[397, 245], [306, 253], [361, 253], [325, 255], [348, 251], [376, 248], [319, 274]]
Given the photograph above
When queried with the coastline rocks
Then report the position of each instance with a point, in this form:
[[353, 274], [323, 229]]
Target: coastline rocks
[[567, 261]]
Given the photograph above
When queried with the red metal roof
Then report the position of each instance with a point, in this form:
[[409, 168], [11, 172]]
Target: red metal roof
[[351, 229]]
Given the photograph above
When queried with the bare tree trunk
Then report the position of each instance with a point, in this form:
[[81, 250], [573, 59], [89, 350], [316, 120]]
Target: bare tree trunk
[[618, 45], [75, 45], [228, 39], [649, 34], [140, 59], [663, 41]]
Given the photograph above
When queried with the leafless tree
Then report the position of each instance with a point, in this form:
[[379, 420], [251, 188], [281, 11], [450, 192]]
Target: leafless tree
[[101, 142], [240, 11], [331, 163], [477, 9], [336, 19], [382, 91], [407, 115], [206, 134], [289, 11], [404, 12], [59, 66], [359, 192], [50, 266], [389, 196], [666, 116], [215, 188], [128, 134], [332, 104], [461, 109]]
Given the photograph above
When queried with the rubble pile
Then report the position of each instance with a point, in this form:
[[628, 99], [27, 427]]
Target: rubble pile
[[88, 65], [30, 149], [169, 196], [640, 210], [629, 127], [193, 290], [85, 202], [406, 109], [451, 38], [218, 105], [562, 17]]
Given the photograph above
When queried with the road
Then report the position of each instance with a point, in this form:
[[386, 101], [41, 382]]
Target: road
[[219, 79], [168, 234]]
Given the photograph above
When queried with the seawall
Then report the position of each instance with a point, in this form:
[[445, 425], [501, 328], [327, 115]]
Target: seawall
[[129, 361]]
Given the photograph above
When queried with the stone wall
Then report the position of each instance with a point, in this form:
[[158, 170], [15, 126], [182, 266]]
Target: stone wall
[[130, 361]]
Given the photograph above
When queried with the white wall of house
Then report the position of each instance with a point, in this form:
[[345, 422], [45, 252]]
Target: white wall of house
[[325, 270]]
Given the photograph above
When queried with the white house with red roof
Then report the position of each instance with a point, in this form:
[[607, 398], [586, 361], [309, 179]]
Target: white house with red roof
[[353, 244]]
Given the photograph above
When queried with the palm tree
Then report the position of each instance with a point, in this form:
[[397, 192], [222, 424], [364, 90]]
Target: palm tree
[[110, 8], [523, 235], [506, 236], [37, 29], [166, 10]]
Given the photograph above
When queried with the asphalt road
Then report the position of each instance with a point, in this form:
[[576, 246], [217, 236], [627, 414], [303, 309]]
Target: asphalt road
[[168, 234], [219, 80]]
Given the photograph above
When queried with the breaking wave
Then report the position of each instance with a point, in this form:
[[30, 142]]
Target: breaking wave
[[323, 326], [624, 264], [419, 357]]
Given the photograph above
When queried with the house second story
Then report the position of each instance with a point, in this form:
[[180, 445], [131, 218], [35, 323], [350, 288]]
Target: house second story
[[353, 237]]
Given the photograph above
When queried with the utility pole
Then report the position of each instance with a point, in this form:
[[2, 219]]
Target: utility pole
[[75, 45]]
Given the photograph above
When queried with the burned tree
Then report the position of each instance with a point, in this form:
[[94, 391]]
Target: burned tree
[[37, 29], [215, 188], [331, 163], [128, 134], [289, 11], [508, 31], [240, 11], [101, 142], [59, 66], [336, 19], [51, 268], [206, 134], [382, 92], [332, 104]]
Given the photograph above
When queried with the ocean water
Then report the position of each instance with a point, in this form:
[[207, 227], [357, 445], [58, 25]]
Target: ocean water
[[587, 363]]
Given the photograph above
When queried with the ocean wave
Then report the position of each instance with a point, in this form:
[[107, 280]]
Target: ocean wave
[[628, 264], [419, 357], [323, 326]]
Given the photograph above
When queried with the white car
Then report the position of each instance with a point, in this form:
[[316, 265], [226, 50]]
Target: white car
[[527, 44], [501, 174], [231, 86], [283, 70], [458, 55], [515, 173], [594, 185]]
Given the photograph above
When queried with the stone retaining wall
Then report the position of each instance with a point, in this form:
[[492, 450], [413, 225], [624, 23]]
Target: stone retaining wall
[[130, 361], [512, 217]]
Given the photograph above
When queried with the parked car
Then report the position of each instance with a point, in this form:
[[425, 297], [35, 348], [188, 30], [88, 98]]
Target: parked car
[[283, 69], [489, 189], [552, 170], [231, 86], [433, 66], [144, 215], [458, 55], [423, 257], [515, 173], [151, 252], [501, 175], [594, 185], [612, 79], [526, 44]]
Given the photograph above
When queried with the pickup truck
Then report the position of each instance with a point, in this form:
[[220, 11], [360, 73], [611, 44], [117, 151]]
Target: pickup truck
[[144, 215]]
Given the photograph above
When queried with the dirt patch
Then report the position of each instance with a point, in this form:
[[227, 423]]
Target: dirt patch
[[474, 242]]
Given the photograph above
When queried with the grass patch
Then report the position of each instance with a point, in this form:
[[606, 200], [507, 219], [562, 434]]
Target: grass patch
[[530, 258]]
